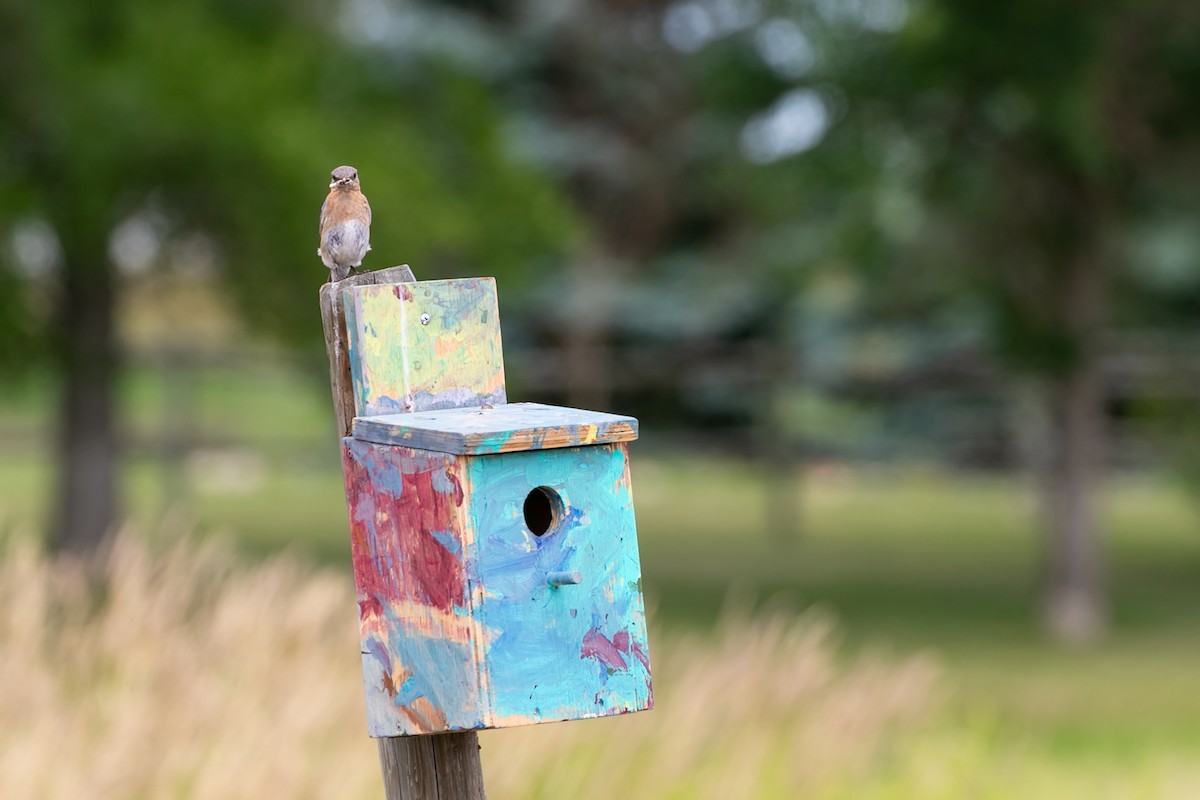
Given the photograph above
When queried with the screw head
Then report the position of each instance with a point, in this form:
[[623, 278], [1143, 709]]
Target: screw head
[[424, 319]]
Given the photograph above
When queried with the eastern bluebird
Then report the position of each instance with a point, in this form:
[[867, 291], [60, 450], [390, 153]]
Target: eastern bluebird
[[345, 224]]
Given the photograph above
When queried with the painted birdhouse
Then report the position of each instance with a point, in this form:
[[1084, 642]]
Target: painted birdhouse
[[494, 544]]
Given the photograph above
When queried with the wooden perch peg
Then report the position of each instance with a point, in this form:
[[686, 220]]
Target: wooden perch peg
[[564, 578]]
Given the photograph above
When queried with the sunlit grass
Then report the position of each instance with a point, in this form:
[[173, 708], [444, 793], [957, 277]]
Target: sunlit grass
[[185, 672], [180, 674]]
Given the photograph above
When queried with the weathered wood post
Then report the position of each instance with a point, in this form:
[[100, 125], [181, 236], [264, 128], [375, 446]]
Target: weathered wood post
[[494, 545]]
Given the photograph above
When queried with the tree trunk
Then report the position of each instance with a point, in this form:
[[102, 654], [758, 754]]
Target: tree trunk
[[85, 502], [1074, 610], [587, 339], [781, 469]]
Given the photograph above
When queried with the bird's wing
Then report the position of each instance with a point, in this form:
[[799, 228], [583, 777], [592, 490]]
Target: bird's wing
[[324, 211]]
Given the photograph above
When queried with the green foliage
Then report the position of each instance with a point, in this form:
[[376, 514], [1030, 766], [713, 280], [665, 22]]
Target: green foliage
[[224, 119], [1040, 127], [989, 150], [19, 343]]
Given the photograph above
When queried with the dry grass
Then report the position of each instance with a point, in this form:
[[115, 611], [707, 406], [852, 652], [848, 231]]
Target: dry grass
[[188, 674], [762, 710]]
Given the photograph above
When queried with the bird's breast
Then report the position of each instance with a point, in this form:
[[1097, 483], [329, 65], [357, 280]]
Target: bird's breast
[[346, 241]]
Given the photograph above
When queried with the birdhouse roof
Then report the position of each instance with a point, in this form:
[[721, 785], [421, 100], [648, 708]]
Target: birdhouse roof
[[483, 430]]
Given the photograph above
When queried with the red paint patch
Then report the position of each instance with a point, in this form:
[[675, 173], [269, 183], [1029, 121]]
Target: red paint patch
[[596, 645], [620, 640], [369, 607], [396, 556]]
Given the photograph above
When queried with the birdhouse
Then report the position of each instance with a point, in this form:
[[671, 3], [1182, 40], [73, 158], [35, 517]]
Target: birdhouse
[[494, 545]]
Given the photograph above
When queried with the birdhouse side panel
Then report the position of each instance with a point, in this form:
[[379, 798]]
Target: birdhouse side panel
[[558, 651], [408, 544], [425, 345]]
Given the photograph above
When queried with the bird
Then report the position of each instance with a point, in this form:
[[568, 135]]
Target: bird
[[345, 224]]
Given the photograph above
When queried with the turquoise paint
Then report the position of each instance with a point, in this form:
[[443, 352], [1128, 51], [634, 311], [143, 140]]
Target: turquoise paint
[[569, 651], [446, 679], [494, 442]]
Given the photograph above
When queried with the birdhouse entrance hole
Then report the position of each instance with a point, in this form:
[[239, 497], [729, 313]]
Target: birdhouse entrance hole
[[543, 508]]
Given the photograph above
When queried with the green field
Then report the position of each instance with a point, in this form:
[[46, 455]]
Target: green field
[[906, 560]]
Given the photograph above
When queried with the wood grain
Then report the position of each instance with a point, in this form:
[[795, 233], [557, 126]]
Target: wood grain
[[459, 771], [442, 766], [414, 768]]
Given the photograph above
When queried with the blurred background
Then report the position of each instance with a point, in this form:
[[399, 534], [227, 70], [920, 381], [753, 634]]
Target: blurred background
[[904, 294]]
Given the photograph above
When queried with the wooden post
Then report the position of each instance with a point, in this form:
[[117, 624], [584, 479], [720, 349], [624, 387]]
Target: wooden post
[[439, 767]]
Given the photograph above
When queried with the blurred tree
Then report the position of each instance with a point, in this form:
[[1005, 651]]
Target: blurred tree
[[957, 155], [1004, 152], [639, 134], [220, 121], [596, 102]]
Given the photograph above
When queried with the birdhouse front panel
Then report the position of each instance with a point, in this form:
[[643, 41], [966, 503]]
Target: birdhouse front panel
[[557, 584], [497, 587]]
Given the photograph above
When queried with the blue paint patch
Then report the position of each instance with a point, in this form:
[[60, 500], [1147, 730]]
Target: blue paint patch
[[440, 671], [442, 482], [387, 405], [455, 398], [448, 540], [538, 631], [442, 676], [386, 469]]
